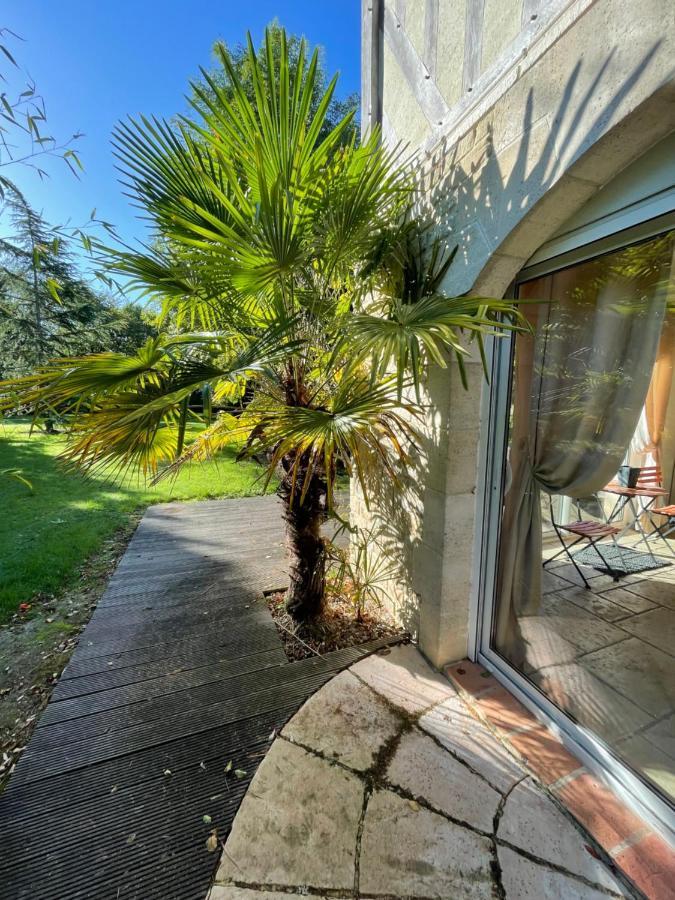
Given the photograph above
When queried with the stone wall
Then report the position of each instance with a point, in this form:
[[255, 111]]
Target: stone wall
[[518, 112]]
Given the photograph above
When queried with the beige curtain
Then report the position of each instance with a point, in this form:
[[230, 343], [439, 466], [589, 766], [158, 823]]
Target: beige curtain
[[648, 452], [580, 385], [658, 395], [646, 448]]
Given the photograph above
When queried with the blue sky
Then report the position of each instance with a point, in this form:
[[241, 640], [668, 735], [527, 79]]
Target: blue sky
[[96, 61]]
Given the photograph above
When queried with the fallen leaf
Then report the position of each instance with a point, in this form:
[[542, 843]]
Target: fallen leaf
[[206, 820], [273, 735], [212, 841], [167, 771], [202, 765], [228, 767], [413, 804], [240, 773], [131, 838]]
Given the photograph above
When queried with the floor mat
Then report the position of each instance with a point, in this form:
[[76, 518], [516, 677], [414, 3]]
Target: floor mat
[[620, 559]]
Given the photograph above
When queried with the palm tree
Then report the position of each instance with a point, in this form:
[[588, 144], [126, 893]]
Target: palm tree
[[295, 273], [239, 58]]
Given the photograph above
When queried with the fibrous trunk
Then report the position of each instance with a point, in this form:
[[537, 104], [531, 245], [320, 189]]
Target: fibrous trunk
[[304, 518]]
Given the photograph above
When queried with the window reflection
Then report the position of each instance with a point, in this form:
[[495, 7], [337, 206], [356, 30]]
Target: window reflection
[[590, 468]]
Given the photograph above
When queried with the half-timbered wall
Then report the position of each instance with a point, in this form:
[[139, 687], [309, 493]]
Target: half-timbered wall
[[517, 111]]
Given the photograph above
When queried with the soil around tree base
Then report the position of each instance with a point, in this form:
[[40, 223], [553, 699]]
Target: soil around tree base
[[337, 629]]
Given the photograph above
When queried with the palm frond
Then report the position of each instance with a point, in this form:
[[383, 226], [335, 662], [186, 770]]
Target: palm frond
[[226, 431], [406, 337], [361, 419], [125, 405], [406, 322]]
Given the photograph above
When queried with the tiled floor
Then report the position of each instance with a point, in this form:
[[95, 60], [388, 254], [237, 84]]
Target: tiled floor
[[605, 656], [388, 784]]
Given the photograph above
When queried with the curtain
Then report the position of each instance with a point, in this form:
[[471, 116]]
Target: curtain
[[580, 385], [647, 442], [646, 448], [658, 396]]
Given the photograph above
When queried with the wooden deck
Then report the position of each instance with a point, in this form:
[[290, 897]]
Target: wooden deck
[[179, 671]]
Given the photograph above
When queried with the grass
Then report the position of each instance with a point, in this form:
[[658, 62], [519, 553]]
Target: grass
[[48, 532]]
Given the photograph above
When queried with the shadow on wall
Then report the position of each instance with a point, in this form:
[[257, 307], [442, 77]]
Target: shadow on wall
[[478, 195], [479, 192]]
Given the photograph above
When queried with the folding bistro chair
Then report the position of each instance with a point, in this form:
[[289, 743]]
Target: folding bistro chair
[[583, 530], [639, 498], [664, 530]]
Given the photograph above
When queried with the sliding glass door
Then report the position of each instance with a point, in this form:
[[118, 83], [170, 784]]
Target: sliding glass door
[[582, 588]]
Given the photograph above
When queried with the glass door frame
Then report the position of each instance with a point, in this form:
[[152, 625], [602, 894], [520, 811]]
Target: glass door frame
[[495, 407]]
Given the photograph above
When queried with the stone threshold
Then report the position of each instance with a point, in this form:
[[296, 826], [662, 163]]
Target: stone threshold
[[640, 853]]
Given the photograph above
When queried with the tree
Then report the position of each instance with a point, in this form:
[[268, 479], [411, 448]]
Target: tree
[[269, 53], [46, 309], [130, 327], [299, 266], [23, 119]]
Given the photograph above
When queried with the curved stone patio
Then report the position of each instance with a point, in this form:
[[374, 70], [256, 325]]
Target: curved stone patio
[[385, 785]]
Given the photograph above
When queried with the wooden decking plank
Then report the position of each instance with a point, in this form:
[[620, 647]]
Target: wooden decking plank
[[196, 647], [98, 700], [180, 669], [26, 800], [118, 678], [104, 735], [165, 641]]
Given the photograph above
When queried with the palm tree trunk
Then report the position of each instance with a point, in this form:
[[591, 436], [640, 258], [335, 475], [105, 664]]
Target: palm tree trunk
[[306, 593]]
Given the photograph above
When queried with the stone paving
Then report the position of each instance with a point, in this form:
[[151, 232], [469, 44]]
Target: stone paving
[[385, 785]]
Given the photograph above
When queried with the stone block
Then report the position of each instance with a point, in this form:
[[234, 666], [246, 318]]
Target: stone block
[[452, 724], [527, 880], [344, 720], [407, 851], [404, 679], [296, 825], [472, 678], [599, 811], [503, 711], [650, 863], [544, 754], [425, 770], [232, 892], [533, 822]]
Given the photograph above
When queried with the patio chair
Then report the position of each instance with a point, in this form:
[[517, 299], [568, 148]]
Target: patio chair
[[649, 481], [583, 530], [639, 498], [664, 530]]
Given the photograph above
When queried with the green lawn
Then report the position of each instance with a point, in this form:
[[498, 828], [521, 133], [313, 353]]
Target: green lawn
[[46, 534]]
